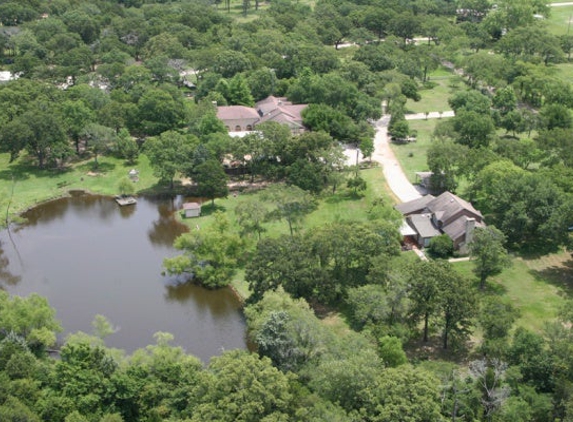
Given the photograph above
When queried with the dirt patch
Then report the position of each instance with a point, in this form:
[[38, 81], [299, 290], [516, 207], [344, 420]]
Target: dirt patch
[[93, 174]]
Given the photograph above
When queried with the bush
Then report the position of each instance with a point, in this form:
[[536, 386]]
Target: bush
[[441, 247]]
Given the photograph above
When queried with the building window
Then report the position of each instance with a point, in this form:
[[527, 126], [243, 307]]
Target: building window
[[249, 127], [237, 128]]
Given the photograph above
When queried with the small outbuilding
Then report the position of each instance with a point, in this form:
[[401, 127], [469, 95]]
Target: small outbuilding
[[192, 209]]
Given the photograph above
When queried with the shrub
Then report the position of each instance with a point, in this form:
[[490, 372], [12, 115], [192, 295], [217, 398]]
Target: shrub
[[441, 246]]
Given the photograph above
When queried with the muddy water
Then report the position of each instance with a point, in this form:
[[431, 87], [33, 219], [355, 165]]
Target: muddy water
[[89, 256]]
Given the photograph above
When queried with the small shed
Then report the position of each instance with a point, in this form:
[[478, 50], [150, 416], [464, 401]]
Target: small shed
[[192, 209]]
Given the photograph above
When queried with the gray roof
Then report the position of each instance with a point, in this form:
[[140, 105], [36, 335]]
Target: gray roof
[[422, 223], [448, 204], [457, 228], [406, 230], [416, 205]]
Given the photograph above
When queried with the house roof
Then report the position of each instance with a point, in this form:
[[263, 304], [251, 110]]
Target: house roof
[[416, 205], [236, 113], [271, 103], [423, 225], [457, 228], [191, 206], [406, 230], [448, 204]]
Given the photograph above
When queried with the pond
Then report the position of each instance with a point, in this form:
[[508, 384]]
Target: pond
[[89, 256]]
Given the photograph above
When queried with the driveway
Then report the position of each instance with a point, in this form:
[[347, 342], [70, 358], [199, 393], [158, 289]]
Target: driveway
[[395, 177]]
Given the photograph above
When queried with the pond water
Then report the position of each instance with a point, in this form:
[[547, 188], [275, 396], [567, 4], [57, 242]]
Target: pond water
[[89, 256]]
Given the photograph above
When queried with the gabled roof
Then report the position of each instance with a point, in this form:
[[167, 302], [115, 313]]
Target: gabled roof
[[236, 113], [457, 228], [422, 223], [191, 206], [415, 205], [448, 204], [271, 103]]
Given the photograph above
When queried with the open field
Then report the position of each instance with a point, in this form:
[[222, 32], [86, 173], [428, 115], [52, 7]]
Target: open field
[[558, 22], [537, 287], [436, 99], [32, 185], [412, 156]]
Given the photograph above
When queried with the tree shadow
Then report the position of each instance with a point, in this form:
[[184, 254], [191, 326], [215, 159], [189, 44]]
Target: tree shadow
[[22, 171], [101, 167], [208, 208], [535, 251], [560, 276], [343, 197]]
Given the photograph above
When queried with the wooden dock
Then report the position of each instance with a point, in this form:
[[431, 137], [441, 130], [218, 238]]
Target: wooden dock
[[125, 200]]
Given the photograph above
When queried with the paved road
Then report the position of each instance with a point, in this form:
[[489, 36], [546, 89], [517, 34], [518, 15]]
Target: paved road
[[395, 177], [431, 115]]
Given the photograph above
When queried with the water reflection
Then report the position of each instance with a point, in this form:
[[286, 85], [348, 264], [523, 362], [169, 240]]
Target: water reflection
[[89, 256]]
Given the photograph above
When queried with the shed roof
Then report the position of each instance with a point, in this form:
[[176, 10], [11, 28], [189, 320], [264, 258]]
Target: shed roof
[[422, 223], [406, 230], [191, 206]]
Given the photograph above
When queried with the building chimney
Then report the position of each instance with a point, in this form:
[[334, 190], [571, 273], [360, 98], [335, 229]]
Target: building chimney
[[470, 226]]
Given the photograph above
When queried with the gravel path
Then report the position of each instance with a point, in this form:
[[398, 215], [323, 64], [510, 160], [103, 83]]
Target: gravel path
[[395, 177]]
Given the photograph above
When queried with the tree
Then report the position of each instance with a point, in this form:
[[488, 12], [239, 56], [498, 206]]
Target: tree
[[158, 111], [97, 139], [126, 146], [251, 215], [357, 184], [556, 116], [424, 292], [496, 317], [211, 180], [441, 246], [457, 304], [473, 129], [445, 159], [31, 318], [239, 92], [287, 262], [488, 253], [211, 256], [240, 386], [405, 393], [290, 203], [125, 186], [76, 117], [169, 153]]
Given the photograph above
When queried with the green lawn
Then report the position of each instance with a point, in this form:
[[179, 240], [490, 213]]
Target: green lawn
[[558, 22], [32, 185], [537, 287], [412, 156], [436, 99]]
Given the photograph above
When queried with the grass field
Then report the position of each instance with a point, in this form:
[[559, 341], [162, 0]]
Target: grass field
[[558, 22], [537, 287], [436, 99], [32, 185], [412, 156]]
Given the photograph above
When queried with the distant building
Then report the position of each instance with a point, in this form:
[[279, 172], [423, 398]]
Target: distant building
[[447, 213], [276, 109], [192, 209], [6, 76]]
